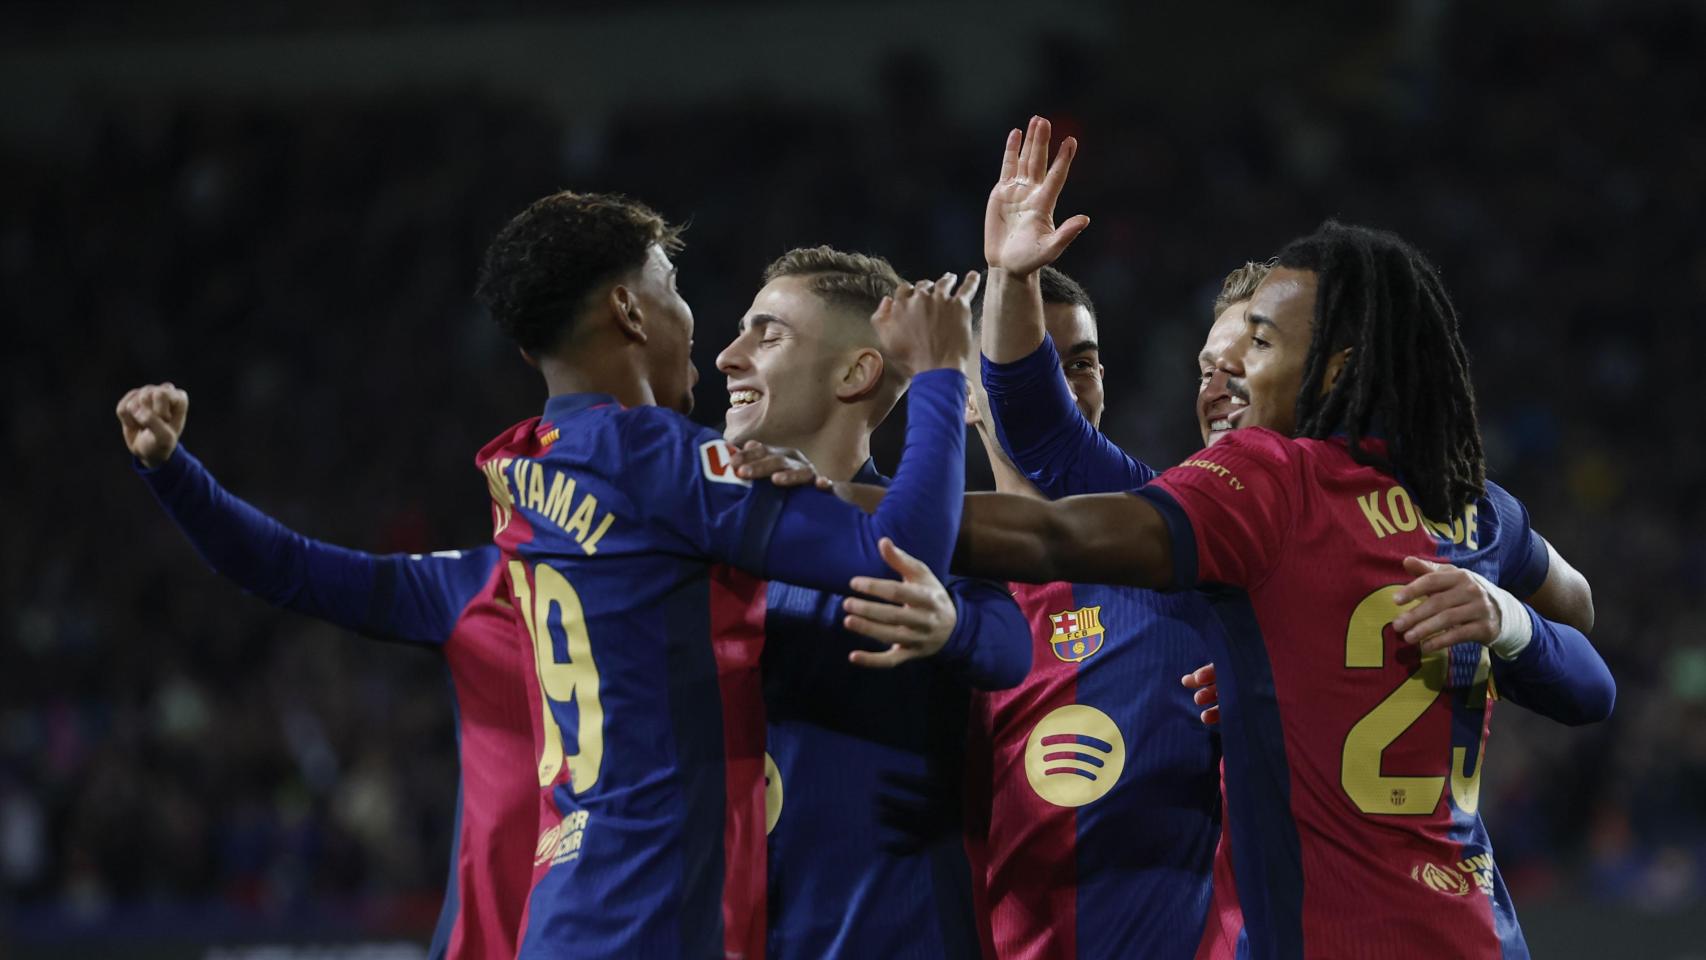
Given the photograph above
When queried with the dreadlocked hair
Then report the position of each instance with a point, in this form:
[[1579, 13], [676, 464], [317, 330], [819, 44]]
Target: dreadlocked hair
[[1407, 375]]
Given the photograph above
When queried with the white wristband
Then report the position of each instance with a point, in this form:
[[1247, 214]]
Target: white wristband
[[1515, 629]]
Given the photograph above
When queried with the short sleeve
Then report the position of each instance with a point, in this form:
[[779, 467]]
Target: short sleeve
[[1228, 508], [1522, 558], [685, 481]]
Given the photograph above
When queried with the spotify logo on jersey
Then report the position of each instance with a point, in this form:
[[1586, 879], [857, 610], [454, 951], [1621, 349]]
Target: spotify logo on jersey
[[1074, 756], [772, 794]]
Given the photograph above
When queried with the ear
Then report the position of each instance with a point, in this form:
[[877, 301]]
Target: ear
[[861, 376], [973, 417], [625, 310], [529, 358], [1335, 366]]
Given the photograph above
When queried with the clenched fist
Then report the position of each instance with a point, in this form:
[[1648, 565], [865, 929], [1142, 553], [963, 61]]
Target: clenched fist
[[152, 419]]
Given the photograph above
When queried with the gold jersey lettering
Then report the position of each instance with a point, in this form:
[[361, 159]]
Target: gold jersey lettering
[[579, 519], [535, 487], [1402, 510], [503, 506], [580, 525], [518, 480], [1370, 505], [1399, 514], [591, 544], [557, 503]]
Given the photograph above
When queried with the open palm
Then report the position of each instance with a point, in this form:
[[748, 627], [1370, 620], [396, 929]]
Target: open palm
[[1019, 234]]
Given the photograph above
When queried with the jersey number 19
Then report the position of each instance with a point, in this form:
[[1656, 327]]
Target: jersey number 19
[[572, 682]]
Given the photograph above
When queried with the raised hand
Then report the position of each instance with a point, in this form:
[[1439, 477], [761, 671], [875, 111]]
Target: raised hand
[[1454, 607], [1019, 234], [913, 615], [927, 326], [152, 418]]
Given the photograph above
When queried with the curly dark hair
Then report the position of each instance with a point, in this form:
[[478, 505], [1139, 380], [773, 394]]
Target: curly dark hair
[[1408, 372], [543, 265]]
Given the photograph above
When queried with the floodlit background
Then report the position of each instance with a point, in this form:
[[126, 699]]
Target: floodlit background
[[282, 212]]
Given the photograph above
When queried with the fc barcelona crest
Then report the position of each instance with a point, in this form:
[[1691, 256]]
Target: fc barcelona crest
[[1077, 633]]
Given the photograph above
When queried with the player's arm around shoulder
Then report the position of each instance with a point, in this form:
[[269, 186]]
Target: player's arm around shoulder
[[1548, 667], [1097, 538], [682, 481], [1230, 509]]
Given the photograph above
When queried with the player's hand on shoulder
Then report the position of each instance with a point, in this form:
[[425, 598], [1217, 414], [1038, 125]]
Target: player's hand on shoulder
[[1207, 693], [914, 615], [782, 466], [927, 325], [1454, 607], [1019, 234], [152, 419]]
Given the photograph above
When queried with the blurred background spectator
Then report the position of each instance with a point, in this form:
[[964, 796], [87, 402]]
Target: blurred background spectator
[[285, 217]]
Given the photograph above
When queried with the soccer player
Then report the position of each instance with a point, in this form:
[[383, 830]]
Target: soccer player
[[450, 602], [1102, 798], [866, 856], [637, 555], [1353, 743], [1046, 435]]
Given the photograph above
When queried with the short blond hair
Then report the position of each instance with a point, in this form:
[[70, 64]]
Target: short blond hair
[[858, 281], [1240, 284]]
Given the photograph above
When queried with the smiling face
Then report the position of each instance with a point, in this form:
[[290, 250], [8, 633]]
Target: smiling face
[[785, 363], [1073, 329], [1271, 355], [1219, 393]]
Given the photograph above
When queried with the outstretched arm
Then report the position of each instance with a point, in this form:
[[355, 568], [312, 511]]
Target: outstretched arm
[[399, 597], [1102, 538]]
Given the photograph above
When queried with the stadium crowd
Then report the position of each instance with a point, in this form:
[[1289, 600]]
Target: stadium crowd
[[305, 269]]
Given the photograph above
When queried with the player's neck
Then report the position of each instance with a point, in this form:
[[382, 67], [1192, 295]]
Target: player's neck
[[620, 380], [838, 449], [839, 460]]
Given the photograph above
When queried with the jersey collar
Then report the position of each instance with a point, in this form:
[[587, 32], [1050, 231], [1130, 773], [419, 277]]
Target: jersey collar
[[565, 405], [868, 473]]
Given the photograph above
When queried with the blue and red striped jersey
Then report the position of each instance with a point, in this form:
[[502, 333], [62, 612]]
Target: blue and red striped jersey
[[449, 601], [1353, 765], [1102, 791], [1102, 804], [636, 557], [865, 772]]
